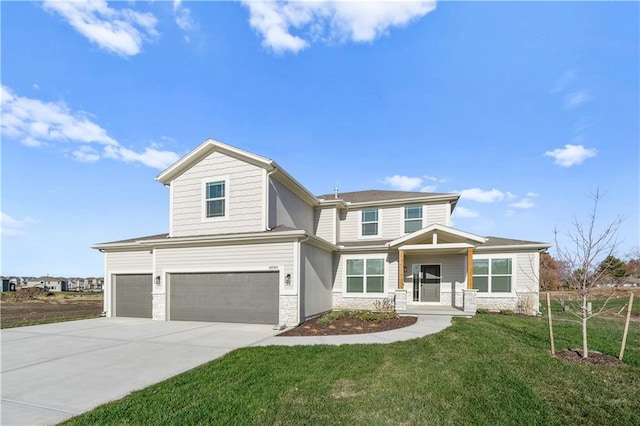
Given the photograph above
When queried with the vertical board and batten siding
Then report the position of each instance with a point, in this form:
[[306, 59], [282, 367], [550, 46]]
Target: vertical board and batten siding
[[244, 196], [437, 213], [315, 274], [286, 208], [225, 258], [324, 223], [129, 261]]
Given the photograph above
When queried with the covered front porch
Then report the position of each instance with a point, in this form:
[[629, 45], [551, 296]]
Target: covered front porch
[[435, 271]]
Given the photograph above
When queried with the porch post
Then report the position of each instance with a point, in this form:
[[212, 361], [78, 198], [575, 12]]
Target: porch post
[[401, 270], [470, 267]]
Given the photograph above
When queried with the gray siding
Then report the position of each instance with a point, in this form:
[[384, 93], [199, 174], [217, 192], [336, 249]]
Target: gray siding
[[437, 213], [315, 273], [286, 208], [244, 197], [348, 225], [130, 261], [324, 224]]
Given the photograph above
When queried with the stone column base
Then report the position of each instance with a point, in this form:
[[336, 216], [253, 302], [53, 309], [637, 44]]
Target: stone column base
[[401, 300], [469, 301]]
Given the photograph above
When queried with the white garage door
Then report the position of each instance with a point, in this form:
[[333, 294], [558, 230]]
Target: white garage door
[[133, 295], [250, 297]]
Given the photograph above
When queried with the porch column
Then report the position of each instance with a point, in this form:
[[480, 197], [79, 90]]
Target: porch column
[[470, 267], [401, 270]]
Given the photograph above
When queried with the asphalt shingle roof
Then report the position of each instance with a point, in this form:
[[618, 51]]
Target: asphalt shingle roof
[[497, 241]]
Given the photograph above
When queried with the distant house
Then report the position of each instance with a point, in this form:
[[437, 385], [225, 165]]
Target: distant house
[[8, 284], [248, 243], [48, 283]]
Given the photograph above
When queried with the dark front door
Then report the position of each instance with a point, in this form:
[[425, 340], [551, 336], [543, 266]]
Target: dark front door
[[429, 283]]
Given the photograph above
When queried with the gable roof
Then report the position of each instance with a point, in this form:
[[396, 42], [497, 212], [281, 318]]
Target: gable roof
[[498, 242], [211, 145], [436, 228], [384, 197]]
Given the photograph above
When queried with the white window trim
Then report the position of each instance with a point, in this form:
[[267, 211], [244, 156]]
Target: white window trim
[[514, 278], [365, 237], [203, 198], [364, 294], [403, 221]]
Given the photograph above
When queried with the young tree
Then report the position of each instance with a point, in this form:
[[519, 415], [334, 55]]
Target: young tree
[[588, 245]]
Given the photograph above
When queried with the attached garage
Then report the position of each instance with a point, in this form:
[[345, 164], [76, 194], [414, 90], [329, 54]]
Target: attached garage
[[250, 297], [132, 295]]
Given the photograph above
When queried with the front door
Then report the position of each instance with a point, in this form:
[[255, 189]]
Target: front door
[[429, 283]]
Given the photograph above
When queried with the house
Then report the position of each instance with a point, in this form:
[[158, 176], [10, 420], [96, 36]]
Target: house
[[48, 283], [248, 243]]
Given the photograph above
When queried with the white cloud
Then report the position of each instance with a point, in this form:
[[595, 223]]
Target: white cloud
[[35, 123], [13, 227], [532, 194], [328, 21], [525, 203], [575, 99], [403, 183], [465, 212], [482, 196], [428, 188], [436, 179], [571, 155], [120, 31], [184, 20]]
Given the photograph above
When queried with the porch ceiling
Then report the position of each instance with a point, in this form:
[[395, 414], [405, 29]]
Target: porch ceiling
[[443, 248]]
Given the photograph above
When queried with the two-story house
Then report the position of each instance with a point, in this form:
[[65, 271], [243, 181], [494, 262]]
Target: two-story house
[[248, 243]]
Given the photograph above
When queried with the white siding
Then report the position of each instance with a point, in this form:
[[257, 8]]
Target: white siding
[[286, 208], [325, 223], [225, 258], [349, 225], [244, 198], [437, 213], [129, 261], [392, 224], [315, 273]]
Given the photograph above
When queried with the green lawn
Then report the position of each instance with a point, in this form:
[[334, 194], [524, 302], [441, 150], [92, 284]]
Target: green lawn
[[490, 369]]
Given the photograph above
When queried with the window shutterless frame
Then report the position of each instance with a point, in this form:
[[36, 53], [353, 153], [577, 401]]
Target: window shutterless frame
[[369, 222], [412, 219]]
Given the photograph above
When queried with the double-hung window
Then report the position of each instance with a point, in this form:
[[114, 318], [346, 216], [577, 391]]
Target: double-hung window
[[412, 219], [492, 275], [215, 199], [365, 276], [369, 222]]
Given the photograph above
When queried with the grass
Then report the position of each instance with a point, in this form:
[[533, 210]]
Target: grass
[[26, 323], [490, 369]]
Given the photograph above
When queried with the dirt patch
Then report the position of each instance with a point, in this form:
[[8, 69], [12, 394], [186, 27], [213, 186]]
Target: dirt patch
[[575, 356], [36, 305], [348, 325]]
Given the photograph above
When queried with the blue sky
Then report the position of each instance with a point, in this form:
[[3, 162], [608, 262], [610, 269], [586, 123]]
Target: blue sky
[[523, 108]]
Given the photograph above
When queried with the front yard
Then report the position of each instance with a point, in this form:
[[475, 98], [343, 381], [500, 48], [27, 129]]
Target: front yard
[[490, 369]]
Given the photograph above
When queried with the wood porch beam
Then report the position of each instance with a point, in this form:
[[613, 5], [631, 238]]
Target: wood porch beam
[[401, 270], [470, 267]]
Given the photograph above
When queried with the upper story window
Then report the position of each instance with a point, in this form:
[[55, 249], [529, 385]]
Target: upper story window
[[492, 275], [412, 219], [215, 199], [369, 222]]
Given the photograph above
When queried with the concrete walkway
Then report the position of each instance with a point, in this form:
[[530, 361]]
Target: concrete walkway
[[426, 324], [52, 372]]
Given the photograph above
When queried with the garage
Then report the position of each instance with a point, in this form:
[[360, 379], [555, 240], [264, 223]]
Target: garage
[[133, 295], [250, 297]]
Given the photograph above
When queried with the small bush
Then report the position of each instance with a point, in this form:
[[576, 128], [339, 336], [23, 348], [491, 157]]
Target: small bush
[[506, 312], [362, 315], [482, 311], [332, 316], [386, 305]]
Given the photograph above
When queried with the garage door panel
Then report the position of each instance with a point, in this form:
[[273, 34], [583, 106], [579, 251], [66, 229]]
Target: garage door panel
[[250, 297], [133, 295]]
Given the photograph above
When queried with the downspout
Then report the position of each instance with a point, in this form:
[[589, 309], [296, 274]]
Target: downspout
[[297, 272], [266, 199]]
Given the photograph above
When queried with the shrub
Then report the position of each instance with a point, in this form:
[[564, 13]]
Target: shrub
[[506, 312], [332, 316], [362, 315], [482, 311]]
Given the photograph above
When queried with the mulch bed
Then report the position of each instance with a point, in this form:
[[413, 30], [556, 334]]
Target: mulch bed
[[348, 325], [575, 356]]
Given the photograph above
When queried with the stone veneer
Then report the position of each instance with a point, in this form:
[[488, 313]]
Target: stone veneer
[[341, 302], [470, 301], [289, 310], [522, 303], [159, 308]]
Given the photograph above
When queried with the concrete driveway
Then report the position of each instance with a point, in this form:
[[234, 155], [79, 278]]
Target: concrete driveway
[[52, 372]]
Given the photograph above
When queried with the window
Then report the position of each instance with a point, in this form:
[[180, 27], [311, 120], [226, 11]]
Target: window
[[365, 276], [412, 219], [492, 275], [215, 199], [370, 222]]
